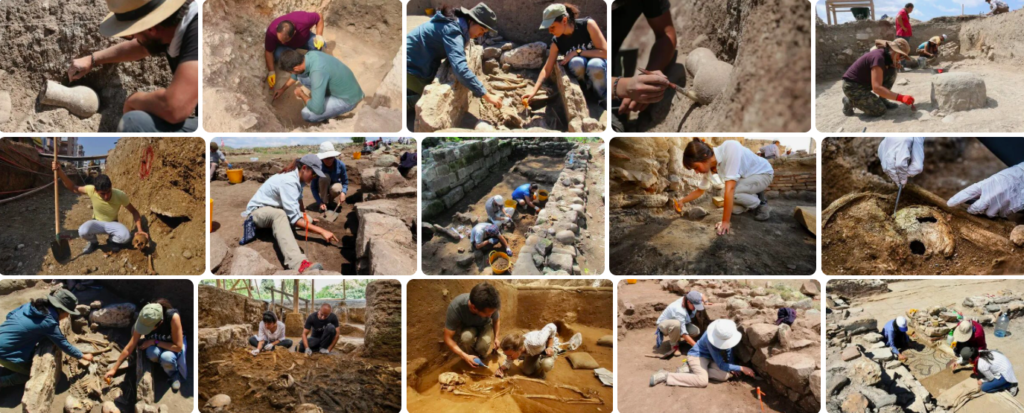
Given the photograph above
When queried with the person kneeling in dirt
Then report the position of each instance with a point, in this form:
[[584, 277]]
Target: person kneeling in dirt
[[216, 158], [335, 186], [270, 335], [333, 89], [495, 208], [486, 235], [930, 49], [26, 326], [278, 205], [875, 71], [106, 203], [996, 371], [705, 361], [406, 163], [537, 348], [968, 334], [997, 7], [677, 321], [321, 332], [158, 332], [170, 27], [475, 317], [292, 31], [746, 177], [582, 44], [894, 333], [445, 37], [524, 194]]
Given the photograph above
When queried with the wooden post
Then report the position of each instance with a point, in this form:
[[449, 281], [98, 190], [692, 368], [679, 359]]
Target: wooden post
[[344, 289], [295, 296], [312, 293]]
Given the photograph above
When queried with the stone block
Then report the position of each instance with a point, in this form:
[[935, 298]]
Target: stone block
[[528, 56], [114, 316], [958, 91], [247, 261], [792, 369], [761, 335]]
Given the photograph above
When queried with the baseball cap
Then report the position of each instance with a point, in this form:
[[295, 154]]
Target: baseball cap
[[551, 13], [695, 298], [151, 315], [901, 323], [313, 162]]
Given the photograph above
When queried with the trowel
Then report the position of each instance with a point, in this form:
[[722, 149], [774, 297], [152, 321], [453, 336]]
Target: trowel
[[332, 214], [59, 246]]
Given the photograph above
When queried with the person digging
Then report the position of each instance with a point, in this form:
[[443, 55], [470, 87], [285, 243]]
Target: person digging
[[292, 31], [495, 209], [930, 48], [524, 196], [106, 203], [894, 334], [536, 349], [746, 177], [994, 370], [635, 93], [270, 335], [997, 7], [705, 362], [485, 235], [968, 333], [217, 158], [334, 187], [333, 89], [153, 27], [677, 322], [867, 83], [321, 332], [475, 318], [26, 327], [158, 332]]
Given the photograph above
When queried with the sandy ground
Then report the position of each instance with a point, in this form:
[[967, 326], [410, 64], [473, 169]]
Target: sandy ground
[[592, 249], [1002, 84], [177, 402], [671, 244], [921, 294], [35, 238], [635, 369]]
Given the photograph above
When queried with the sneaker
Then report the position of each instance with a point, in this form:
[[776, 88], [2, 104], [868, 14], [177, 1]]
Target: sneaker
[[325, 351], [659, 377], [762, 213], [90, 247], [847, 107], [114, 247], [890, 104], [1013, 390]]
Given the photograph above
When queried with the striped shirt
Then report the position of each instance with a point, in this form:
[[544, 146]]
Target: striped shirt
[[999, 367]]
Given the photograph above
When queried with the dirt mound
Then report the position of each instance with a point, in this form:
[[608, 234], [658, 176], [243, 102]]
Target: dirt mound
[[219, 307], [365, 35], [42, 38]]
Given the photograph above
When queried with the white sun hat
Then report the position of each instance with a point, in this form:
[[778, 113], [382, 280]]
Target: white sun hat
[[327, 150], [723, 334]]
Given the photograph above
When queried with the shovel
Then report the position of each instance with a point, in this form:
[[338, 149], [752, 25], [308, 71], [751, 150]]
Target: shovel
[[59, 246], [332, 215]]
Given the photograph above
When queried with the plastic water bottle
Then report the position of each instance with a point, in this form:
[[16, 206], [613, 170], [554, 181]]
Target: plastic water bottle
[[1002, 324]]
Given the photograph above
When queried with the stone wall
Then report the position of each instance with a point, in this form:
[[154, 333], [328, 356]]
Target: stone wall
[[219, 307], [550, 247], [383, 337], [449, 170]]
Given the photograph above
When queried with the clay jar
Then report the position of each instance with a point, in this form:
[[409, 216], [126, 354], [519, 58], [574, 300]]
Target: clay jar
[[79, 100]]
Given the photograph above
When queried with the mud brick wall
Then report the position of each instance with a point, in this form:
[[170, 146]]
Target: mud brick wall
[[550, 249], [383, 337], [793, 176]]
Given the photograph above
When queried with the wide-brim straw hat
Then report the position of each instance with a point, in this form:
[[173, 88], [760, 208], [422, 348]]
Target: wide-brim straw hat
[[128, 17], [963, 332]]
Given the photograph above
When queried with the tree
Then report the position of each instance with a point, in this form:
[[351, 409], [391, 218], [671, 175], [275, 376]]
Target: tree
[[358, 140]]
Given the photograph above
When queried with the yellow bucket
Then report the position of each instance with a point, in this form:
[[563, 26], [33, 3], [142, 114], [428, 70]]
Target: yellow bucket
[[357, 155], [542, 195], [235, 176], [494, 256], [429, 11], [630, 281], [510, 203]]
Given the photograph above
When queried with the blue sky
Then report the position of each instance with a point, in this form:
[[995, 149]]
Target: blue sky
[[923, 10], [96, 145]]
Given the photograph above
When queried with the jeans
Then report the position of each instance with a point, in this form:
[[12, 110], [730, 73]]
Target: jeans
[[139, 121], [593, 69], [281, 49], [119, 234], [333, 106], [16, 373], [996, 385], [285, 342], [320, 340], [167, 359]]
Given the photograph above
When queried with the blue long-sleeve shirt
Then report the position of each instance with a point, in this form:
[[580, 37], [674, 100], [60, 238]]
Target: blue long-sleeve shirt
[[706, 350], [441, 38], [337, 174], [25, 327], [894, 337]]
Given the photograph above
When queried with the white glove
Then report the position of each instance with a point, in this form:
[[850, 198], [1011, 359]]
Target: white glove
[[268, 347], [255, 352], [901, 158], [309, 352], [999, 195], [325, 351]]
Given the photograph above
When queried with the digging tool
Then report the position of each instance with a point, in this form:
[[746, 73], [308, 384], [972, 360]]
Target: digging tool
[[898, 193], [59, 246], [678, 89], [332, 215]]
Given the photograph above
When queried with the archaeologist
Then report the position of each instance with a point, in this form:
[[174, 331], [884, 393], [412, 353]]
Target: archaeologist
[[635, 93], [997, 7], [158, 332], [270, 335], [106, 203], [292, 31], [278, 205], [903, 29], [333, 89], [705, 360], [536, 348], [445, 37], [475, 318], [968, 333], [216, 158], [486, 235], [27, 326], [895, 335], [996, 371], [524, 195], [168, 27], [875, 72], [407, 162], [745, 174], [495, 208], [770, 151], [677, 321], [321, 332], [997, 196], [334, 187], [582, 45], [930, 48]]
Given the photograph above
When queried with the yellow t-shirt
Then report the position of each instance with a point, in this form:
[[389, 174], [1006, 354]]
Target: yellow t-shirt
[[106, 211]]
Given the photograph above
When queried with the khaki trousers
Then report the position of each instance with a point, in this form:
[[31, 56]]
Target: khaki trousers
[[328, 191], [277, 220], [672, 330], [745, 196], [701, 369]]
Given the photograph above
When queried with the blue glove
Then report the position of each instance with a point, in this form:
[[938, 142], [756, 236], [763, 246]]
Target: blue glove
[[508, 251]]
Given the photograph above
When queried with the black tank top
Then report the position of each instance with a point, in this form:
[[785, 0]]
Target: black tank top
[[579, 40], [163, 331]]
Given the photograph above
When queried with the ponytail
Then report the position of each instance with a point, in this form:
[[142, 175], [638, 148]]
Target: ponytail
[[696, 151], [290, 167], [572, 12]]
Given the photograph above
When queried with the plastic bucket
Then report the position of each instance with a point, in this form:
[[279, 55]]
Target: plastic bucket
[[235, 176], [429, 11], [510, 203], [494, 256], [357, 155], [542, 195], [630, 281]]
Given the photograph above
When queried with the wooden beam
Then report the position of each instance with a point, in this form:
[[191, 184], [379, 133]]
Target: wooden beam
[[312, 292], [295, 296]]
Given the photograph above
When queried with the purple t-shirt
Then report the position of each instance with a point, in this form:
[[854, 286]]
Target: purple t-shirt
[[304, 21], [860, 71]]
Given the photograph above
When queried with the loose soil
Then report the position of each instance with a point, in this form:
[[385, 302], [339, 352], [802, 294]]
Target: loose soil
[[1002, 85], [670, 244], [591, 250]]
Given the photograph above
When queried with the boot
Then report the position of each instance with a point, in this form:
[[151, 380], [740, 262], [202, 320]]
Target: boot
[[763, 213], [890, 104], [847, 107], [659, 377]]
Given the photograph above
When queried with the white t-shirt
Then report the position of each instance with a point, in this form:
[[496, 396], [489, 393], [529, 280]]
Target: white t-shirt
[[736, 161], [999, 367], [477, 235], [267, 336], [536, 341], [770, 150]]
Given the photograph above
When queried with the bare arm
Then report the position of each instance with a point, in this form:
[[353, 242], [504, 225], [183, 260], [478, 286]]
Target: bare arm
[[176, 336], [449, 341], [65, 180], [124, 353], [664, 42], [730, 191], [136, 217], [549, 66], [320, 27], [302, 223], [697, 193], [174, 104], [129, 51], [876, 84], [269, 56], [600, 49], [305, 332]]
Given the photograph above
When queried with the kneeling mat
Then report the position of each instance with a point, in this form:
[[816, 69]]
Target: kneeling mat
[[582, 361]]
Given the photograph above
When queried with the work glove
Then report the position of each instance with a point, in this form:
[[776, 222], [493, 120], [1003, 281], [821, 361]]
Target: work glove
[[255, 352], [901, 158], [318, 42], [508, 251], [271, 79], [1000, 195], [325, 351], [906, 100], [268, 347], [309, 352]]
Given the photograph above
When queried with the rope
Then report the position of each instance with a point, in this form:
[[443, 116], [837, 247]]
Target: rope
[[22, 167], [4, 201]]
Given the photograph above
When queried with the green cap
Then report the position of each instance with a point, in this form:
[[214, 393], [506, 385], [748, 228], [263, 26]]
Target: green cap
[[64, 300], [551, 13], [151, 315]]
